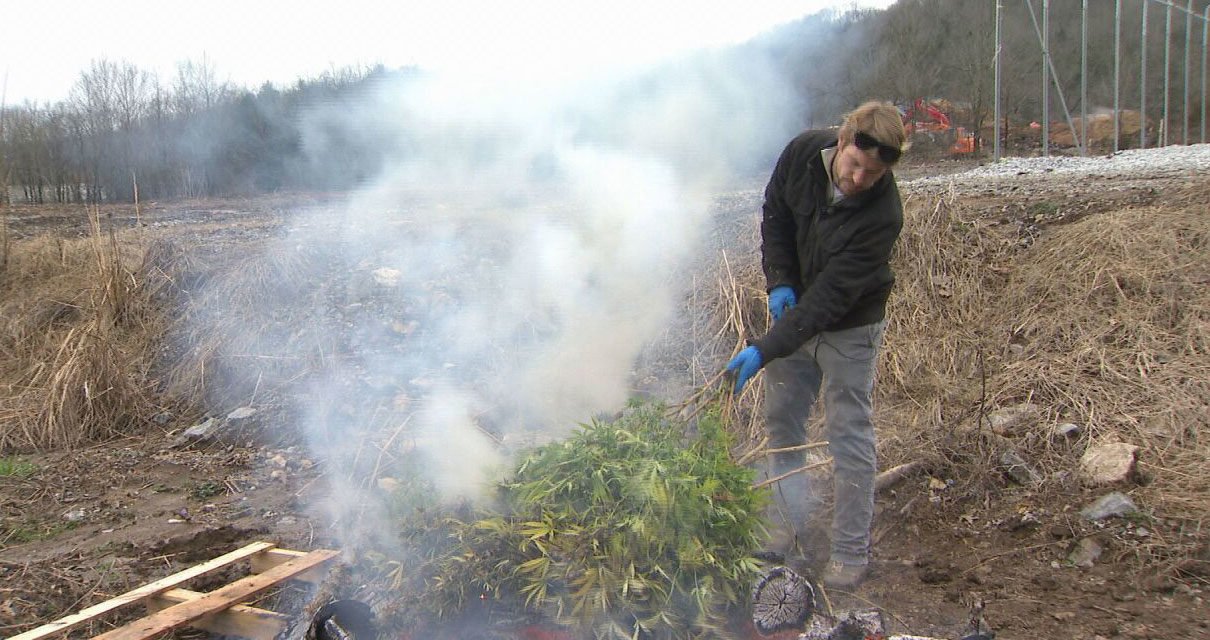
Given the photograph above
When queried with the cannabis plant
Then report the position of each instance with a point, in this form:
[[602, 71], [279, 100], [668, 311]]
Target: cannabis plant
[[627, 529]]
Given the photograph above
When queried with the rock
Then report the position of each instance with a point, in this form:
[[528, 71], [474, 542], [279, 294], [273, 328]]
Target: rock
[[1110, 505], [1109, 463], [1067, 430], [1018, 470], [279, 461], [1060, 531], [75, 515], [934, 572], [1011, 420], [240, 413], [203, 432], [387, 276], [1024, 521], [1085, 554], [1045, 582]]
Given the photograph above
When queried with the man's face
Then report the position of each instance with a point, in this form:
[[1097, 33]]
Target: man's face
[[855, 170]]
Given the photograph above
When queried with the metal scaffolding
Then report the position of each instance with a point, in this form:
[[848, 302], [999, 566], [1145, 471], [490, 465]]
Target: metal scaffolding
[[1050, 79]]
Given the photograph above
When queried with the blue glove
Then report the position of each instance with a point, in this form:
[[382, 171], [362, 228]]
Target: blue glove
[[781, 298], [745, 365]]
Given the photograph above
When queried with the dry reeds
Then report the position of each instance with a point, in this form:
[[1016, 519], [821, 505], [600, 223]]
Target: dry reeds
[[75, 340], [1102, 322], [1114, 324], [250, 329]]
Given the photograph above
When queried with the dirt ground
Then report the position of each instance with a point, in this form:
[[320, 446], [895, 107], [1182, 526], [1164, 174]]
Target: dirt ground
[[89, 524]]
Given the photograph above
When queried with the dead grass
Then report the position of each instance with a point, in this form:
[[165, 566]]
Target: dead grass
[[250, 330], [1104, 322], [76, 336], [1115, 324]]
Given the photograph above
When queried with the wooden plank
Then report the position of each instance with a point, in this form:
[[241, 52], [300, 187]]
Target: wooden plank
[[143, 592], [240, 620], [262, 562], [184, 613]]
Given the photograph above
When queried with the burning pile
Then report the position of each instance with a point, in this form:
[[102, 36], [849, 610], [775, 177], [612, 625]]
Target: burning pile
[[627, 528]]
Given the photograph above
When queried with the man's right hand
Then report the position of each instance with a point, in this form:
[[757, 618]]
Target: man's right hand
[[781, 298], [745, 365]]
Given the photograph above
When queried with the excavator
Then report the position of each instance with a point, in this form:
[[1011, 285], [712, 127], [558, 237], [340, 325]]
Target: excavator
[[923, 116]]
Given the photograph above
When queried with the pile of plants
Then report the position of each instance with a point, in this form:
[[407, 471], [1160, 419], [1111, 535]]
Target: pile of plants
[[630, 528]]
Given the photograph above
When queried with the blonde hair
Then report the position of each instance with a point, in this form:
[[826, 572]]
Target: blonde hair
[[881, 120]]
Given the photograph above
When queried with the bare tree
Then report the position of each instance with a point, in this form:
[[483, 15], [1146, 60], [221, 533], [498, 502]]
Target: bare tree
[[132, 94], [196, 87]]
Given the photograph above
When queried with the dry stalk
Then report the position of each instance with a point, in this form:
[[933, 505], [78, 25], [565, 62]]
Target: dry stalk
[[77, 338]]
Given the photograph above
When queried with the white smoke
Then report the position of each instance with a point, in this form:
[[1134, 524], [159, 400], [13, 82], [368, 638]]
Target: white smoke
[[541, 238]]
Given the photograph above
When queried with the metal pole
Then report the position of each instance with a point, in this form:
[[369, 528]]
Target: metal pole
[[999, 51], [1071, 125], [1185, 85], [1143, 81], [1084, 77], [1205, 37], [1167, 71], [1045, 78], [1117, 76]]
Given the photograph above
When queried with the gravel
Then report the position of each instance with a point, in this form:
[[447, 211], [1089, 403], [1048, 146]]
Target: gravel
[[1160, 162]]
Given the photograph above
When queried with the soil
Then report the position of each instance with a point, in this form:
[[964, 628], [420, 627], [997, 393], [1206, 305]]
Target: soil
[[89, 524]]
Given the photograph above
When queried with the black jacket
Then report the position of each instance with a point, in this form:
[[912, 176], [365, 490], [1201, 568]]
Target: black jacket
[[836, 257]]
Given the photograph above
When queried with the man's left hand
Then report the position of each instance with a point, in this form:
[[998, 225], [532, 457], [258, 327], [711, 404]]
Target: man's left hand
[[745, 365]]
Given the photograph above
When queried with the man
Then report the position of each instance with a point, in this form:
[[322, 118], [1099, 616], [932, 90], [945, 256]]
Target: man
[[832, 214]]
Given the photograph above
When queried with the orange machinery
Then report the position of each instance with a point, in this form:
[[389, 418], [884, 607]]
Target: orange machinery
[[925, 117]]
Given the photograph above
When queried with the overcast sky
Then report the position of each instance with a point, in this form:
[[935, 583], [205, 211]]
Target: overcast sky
[[45, 44]]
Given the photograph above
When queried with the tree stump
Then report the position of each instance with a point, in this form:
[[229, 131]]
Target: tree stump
[[781, 600]]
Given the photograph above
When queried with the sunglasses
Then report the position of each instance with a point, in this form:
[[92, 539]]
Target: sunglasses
[[886, 153]]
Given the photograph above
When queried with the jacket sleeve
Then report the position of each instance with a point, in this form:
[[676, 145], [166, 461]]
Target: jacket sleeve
[[851, 271], [778, 230]]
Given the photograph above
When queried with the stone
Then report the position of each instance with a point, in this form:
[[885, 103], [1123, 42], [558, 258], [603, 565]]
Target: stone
[[75, 515], [1109, 463], [202, 432], [387, 276], [1011, 420], [1067, 430], [1110, 505], [1085, 554], [1018, 470], [241, 413]]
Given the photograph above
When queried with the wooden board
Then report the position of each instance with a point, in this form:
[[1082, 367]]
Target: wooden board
[[220, 599], [239, 620], [218, 611]]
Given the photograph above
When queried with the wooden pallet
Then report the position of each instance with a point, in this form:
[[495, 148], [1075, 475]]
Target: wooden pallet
[[170, 607]]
